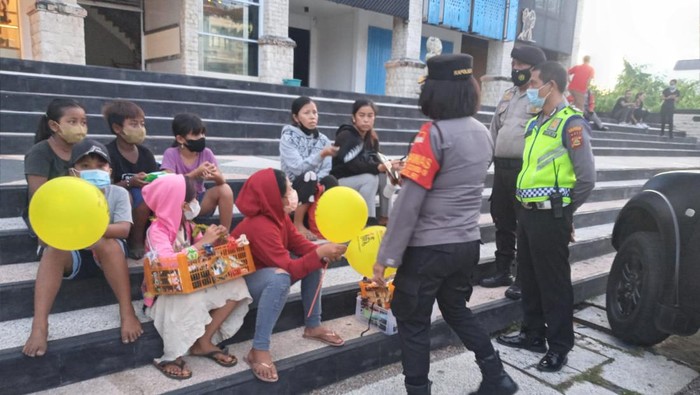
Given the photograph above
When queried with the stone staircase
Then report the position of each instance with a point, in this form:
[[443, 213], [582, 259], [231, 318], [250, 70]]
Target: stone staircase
[[85, 352]]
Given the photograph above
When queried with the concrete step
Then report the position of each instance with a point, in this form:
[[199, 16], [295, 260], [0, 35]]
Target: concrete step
[[652, 131], [17, 280], [598, 364], [13, 143], [166, 109], [18, 246], [75, 363]]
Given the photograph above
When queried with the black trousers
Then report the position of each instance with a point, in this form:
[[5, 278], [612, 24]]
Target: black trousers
[[503, 210], [667, 118], [427, 273], [545, 276]]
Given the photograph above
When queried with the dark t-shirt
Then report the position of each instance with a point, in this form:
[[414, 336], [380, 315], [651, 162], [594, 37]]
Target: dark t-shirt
[[619, 104], [43, 162], [670, 104], [146, 162]]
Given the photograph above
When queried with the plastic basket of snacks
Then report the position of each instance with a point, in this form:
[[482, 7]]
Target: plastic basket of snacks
[[373, 305], [192, 270]]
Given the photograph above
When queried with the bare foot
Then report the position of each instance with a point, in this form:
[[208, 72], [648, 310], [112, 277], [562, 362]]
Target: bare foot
[[306, 233], [131, 327], [207, 349], [261, 364], [37, 343]]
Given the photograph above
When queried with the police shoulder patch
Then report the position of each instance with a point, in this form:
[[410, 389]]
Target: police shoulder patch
[[575, 136]]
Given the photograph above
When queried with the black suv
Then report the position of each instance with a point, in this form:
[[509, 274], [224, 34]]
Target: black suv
[[654, 284]]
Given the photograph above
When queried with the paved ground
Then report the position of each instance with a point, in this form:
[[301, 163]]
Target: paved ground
[[599, 364]]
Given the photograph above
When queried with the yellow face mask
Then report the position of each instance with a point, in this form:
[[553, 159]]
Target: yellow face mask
[[72, 134], [134, 135]]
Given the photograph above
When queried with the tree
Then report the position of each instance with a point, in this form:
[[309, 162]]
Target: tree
[[637, 79]]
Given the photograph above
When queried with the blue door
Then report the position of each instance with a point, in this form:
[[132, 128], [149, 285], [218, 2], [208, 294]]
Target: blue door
[[379, 52]]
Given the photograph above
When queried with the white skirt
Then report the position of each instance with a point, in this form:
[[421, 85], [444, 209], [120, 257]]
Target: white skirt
[[180, 319]]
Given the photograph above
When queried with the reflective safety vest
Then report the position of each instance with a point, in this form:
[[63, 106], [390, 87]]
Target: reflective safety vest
[[547, 166]]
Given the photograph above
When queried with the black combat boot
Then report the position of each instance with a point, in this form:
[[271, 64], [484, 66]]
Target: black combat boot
[[418, 389], [495, 380]]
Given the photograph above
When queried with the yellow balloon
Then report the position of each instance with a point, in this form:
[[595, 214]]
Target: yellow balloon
[[69, 213], [341, 214], [363, 249]]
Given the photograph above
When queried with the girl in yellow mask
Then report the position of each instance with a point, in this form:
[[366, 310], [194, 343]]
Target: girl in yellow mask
[[63, 125]]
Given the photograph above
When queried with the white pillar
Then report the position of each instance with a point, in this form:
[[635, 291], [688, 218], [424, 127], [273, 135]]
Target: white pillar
[[190, 18], [497, 77], [57, 31], [276, 49], [405, 67]]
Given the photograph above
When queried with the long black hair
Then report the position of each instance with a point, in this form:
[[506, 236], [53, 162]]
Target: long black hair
[[54, 112], [357, 105], [281, 179]]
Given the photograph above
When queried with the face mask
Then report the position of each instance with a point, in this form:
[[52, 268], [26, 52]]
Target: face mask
[[134, 135], [72, 134], [196, 145], [292, 202], [520, 77], [96, 177], [533, 95], [193, 212], [672, 87]]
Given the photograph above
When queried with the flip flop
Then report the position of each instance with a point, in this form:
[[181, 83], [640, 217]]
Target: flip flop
[[260, 377], [161, 366], [212, 355], [326, 338]]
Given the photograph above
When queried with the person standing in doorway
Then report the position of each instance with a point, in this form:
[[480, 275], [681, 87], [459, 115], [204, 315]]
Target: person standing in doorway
[[557, 177], [668, 107], [507, 130], [581, 80]]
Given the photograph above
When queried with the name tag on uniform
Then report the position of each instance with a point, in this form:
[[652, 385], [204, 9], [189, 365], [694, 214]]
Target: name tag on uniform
[[552, 128]]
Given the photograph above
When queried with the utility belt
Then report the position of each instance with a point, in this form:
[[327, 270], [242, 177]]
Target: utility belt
[[508, 163], [555, 204], [546, 205]]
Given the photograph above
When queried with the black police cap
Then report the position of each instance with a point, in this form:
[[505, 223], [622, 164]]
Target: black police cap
[[450, 67], [528, 54]]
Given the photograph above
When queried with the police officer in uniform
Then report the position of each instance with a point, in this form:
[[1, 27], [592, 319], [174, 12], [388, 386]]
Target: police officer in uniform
[[433, 236], [557, 176], [507, 130]]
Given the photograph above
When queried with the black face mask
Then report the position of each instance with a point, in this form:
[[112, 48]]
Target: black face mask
[[520, 77], [196, 145]]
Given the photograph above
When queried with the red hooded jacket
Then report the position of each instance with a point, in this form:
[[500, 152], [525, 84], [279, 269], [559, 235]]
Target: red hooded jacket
[[269, 229]]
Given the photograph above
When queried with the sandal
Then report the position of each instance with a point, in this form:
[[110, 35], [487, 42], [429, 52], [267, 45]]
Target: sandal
[[253, 365], [330, 338], [212, 355], [163, 365]]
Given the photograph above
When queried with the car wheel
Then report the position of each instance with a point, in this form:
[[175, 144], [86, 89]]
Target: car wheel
[[634, 287]]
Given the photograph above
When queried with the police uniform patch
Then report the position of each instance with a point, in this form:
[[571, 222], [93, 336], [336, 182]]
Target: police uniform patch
[[575, 136], [508, 95], [552, 128], [421, 164]]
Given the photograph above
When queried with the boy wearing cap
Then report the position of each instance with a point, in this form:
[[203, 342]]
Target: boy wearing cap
[[89, 161], [508, 130]]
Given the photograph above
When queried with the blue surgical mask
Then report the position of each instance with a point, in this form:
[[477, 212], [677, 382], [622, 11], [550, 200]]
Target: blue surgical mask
[[96, 177], [533, 95]]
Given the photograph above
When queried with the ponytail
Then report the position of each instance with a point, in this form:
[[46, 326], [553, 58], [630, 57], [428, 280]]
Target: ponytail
[[43, 131], [54, 112]]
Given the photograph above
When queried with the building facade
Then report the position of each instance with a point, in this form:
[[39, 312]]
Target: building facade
[[371, 46]]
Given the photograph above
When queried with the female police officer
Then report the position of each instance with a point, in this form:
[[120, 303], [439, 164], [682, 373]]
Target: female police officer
[[433, 235]]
